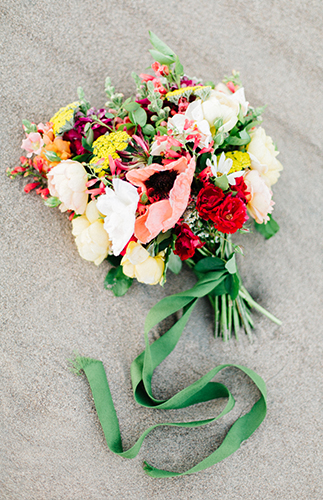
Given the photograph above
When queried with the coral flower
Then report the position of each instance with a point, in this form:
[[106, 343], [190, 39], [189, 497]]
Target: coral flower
[[168, 189], [60, 147]]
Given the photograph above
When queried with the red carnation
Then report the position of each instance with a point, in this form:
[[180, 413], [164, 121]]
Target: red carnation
[[186, 242], [209, 198], [230, 215]]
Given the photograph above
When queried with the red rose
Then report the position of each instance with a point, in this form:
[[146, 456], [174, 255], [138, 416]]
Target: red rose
[[230, 215], [241, 188], [186, 242], [209, 198]]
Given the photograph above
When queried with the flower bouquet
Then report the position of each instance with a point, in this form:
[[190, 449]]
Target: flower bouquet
[[163, 177], [148, 182]]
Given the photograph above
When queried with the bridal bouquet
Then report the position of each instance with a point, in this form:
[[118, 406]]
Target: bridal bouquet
[[167, 176], [163, 177]]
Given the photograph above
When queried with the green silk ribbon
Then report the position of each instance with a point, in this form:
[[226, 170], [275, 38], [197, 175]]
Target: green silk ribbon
[[202, 390]]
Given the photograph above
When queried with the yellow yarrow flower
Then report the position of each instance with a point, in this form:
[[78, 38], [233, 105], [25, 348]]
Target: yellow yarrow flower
[[182, 90], [62, 116], [105, 146], [240, 160]]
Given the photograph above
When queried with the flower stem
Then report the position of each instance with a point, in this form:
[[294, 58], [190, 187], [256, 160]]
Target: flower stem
[[244, 294]]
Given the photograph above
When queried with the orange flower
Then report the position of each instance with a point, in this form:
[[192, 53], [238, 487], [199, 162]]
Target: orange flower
[[60, 147], [168, 189]]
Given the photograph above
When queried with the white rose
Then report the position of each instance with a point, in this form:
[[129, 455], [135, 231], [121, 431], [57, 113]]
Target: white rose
[[67, 182], [91, 238], [119, 205], [220, 105], [262, 154]]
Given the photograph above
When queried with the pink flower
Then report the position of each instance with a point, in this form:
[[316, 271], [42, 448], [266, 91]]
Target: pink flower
[[259, 202], [33, 144], [160, 69], [145, 77], [168, 189]]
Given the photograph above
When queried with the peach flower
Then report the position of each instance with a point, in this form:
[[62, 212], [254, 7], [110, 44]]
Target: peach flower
[[168, 189], [262, 154], [259, 202], [58, 146], [67, 182]]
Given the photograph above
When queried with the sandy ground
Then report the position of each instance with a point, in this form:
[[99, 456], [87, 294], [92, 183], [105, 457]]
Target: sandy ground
[[53, 302]]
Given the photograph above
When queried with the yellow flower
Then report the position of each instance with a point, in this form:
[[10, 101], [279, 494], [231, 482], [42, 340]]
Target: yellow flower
[[105, 146], [240, 161], [91, 238], [62, 116], [137, 263], [201, 91]]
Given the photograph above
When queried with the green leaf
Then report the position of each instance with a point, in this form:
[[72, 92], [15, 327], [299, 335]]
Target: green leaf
[[231, 264], [89, 136], [80, 93], [162, 130], [109, 115], [29, 127], [86, 145], [222, 182], [269, 229], [174, 263], [149, 130], [80, 158], [240, 140], [52, 202], [131, 106], [209, 264], [178, 67], [232, 285], [52, 156], [114, 259], [118, 282], [159, 45], [138, 117], [162, 58]]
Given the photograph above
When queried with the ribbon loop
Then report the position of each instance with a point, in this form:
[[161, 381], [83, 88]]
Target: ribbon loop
[[202, 390]]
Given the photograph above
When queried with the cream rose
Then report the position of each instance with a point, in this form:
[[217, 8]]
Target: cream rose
[[91, 238], [262, 154], [67, 182], [259, 202], [220, 105], [137, 263]]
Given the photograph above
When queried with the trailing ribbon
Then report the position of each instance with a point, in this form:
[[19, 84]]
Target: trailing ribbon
[[202, 390]]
